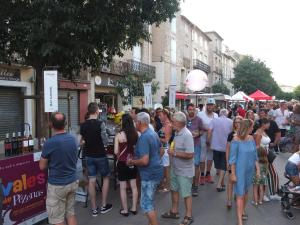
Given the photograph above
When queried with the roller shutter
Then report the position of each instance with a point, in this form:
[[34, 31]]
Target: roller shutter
[[74, 106], [11, 110]]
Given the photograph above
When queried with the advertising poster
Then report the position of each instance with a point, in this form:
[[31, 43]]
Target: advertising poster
[[50, 91], [147, 95], [24, 189], [172, 96]]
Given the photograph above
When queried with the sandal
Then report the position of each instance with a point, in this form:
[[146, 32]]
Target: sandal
[[187, 220], [170, 215], [123, 213], [229, 204], [244, 217]]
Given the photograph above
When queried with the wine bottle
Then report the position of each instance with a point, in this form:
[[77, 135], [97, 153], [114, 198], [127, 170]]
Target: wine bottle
[[7, 146], [14, 143], [30, 143], [20, 143], [25, 145]]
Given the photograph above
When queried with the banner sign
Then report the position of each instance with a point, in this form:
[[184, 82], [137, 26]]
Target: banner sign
[[147, 95], [10, 74], [50, 91], [24, 190], [172, 96]]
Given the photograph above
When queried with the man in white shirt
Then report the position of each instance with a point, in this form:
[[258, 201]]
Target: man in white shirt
[[281, 116], [206, 154]]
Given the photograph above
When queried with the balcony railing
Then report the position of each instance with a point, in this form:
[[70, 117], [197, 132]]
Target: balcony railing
[[218, 71], [186, 63], [139, 68], [116, 67], [131, 66], [197, 64]]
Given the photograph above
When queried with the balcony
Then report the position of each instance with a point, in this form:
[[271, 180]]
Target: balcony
[[139, 68], [186, 63], [116, 67], [197, 64], [218, 71]]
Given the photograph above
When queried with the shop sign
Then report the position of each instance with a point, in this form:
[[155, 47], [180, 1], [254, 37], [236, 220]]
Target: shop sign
[[138, 101], [172, 96], [50, 91], [10, 74], [24, 190], [105, 81], [147, 95]]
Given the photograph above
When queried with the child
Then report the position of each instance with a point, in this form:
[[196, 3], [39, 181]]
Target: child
[[259, 183]]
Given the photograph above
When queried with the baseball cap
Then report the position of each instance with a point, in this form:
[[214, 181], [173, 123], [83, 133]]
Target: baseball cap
[[210, 101]]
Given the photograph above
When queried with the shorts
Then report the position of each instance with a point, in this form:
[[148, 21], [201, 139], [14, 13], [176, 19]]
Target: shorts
[[181, 184], [125, 172], [165, 159], [148, 189], [95, 165], [291, 169], [197, 155], [220, 160], [206, 154], [60, 201]]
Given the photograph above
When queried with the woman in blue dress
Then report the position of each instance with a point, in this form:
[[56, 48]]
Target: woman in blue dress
[[243, 162]]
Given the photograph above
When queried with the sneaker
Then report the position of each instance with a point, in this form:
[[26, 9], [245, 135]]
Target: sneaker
[[209, 179], [202, 180], [105, 209], [266, 198], [194, 191], [275, 197], [95, 212]]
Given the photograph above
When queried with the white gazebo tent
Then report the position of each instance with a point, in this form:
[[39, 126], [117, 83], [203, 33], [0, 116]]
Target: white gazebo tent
[[241, 97]]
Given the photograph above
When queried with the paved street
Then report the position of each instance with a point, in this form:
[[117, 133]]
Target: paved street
[[208, 209]]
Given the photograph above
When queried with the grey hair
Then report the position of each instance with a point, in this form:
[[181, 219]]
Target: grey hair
[[179, 117], [143, 118], [223, 112]]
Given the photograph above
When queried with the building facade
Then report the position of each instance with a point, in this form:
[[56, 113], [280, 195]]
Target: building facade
[[178, 47], [229, 62], [215, 58]]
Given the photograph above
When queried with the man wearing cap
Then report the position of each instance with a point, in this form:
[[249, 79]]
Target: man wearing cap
[[206, 154]]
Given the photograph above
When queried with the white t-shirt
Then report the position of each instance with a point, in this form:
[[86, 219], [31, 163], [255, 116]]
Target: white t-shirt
[[281, 118], [206, 120], [295, 158]]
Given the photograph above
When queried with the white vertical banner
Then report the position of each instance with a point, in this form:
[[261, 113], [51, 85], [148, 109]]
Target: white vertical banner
[[147, 95], [173, 76], [50, 91], [172, 96]]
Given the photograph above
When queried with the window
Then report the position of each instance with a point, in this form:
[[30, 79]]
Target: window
[[205, 45], [173, 25], [195, 54], [173, 51], [137, 53], [186, 29], [205, 59], [173, 76], [195, 36], [201, 41], [201, 56], [186, 51]]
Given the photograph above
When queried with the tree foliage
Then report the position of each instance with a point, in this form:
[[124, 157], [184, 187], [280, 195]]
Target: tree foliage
[[297, 93], [75, 34], [220, 88], [251, 74], [134, 86]]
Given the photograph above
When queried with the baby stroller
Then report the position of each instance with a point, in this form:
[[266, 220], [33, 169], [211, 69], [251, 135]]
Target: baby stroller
[[290, 195]]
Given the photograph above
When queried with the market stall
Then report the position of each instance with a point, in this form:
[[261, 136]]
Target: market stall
[[24, 189], [260, 95]]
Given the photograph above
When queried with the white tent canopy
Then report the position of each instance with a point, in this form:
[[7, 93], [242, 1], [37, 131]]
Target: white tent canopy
[[241, 96]]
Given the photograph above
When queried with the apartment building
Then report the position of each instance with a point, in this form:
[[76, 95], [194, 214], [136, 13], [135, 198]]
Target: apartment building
[[178, 47], [215, 58], [229, 62]]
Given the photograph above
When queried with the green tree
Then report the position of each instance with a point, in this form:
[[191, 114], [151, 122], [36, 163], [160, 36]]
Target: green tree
[[134, 86], [297, 93], [251, 74], [74, 34], [220, 88]]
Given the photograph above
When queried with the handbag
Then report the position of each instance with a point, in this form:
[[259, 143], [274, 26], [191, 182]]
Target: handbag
[[271, 156]]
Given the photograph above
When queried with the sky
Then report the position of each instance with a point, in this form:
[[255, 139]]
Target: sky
[[266, 29]]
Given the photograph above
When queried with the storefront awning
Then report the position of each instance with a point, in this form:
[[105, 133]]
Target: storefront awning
[[181, 96]]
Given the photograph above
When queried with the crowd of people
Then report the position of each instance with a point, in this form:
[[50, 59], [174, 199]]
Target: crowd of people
[[174, 152]]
